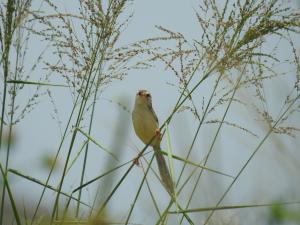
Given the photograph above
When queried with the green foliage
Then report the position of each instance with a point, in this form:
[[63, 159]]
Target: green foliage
[[230, 58]]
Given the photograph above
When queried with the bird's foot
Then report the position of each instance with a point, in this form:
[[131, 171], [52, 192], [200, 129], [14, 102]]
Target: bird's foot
[[136, 160], [157, 133]]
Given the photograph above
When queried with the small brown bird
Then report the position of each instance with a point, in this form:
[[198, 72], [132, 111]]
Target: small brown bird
[[146, 127]]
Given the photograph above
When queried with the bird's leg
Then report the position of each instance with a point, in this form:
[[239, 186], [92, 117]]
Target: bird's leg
[[136, 161], [158, 134]]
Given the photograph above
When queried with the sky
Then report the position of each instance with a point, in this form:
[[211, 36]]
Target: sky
[[38, 134]]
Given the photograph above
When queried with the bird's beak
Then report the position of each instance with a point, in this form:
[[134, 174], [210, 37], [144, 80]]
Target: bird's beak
[[141, 93]]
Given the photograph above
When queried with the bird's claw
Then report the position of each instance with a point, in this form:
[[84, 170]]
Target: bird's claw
[[136, 161], [157, 133]]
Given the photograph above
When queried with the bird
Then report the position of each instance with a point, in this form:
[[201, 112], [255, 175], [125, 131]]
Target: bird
[[146, 127]]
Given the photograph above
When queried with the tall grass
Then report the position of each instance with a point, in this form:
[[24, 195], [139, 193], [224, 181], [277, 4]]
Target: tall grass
[[231, 60]]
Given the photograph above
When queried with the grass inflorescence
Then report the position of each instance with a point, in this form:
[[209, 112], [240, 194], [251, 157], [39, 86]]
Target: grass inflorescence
[[229, 66]]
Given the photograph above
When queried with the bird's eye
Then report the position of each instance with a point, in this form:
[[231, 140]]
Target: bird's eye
[[148, 95], [139, 93]]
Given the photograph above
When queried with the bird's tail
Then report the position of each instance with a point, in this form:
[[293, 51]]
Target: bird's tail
[[164, 171]]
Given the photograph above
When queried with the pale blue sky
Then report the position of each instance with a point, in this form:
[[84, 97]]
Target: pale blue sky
[[38, 133]]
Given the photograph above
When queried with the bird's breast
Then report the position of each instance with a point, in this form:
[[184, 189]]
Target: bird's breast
[[145, 125]]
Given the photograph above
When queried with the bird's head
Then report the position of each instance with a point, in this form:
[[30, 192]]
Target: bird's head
[[143, 97]]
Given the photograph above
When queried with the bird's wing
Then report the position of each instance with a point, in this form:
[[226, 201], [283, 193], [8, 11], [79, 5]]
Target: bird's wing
[[154, 114]]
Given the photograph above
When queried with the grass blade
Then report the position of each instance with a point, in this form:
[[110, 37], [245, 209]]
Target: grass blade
[[96, 143], [196, 164], [35, 83], [12, 201], [231, 207], [13, 171]]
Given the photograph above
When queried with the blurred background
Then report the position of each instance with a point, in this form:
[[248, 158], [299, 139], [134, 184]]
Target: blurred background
[[271, 176]]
